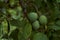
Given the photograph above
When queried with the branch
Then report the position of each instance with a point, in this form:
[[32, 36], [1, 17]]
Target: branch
[[35, 7]]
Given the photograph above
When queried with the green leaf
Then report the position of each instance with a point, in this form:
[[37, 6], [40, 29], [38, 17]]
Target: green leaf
[[54, 27], [27, 31], [4, 25], [14, 34], [12, 28], [18, 23], [40, 36], [14, 13]]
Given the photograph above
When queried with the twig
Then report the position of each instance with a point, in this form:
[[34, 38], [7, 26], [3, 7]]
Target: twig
[[35, 7]]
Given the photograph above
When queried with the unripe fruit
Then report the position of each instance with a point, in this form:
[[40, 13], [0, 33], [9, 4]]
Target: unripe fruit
[[36, 25], [43, 19], [32, 16]]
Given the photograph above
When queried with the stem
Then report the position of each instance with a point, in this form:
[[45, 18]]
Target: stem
[[24, 7], [45, 27], [35, 7]]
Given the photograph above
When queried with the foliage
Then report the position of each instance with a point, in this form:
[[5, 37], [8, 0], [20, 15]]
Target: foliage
[[29, 19]]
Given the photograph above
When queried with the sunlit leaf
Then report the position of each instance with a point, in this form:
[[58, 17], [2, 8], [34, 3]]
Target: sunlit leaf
[[4, 25]]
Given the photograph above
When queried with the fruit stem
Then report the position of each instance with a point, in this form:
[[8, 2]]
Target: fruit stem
[[45, 27]]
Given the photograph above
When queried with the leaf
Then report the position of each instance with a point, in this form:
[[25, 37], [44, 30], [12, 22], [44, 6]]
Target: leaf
[[4, 25], [14, 13], [54, 27], [39, 36], [12, 28], [18, 23], [14, 34], [25, 33]]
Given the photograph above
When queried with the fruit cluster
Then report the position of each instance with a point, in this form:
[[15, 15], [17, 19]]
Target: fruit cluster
[[36, 22]]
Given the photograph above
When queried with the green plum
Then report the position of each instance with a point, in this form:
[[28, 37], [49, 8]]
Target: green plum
[[36, 25], [32, 16], [43, 19]]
